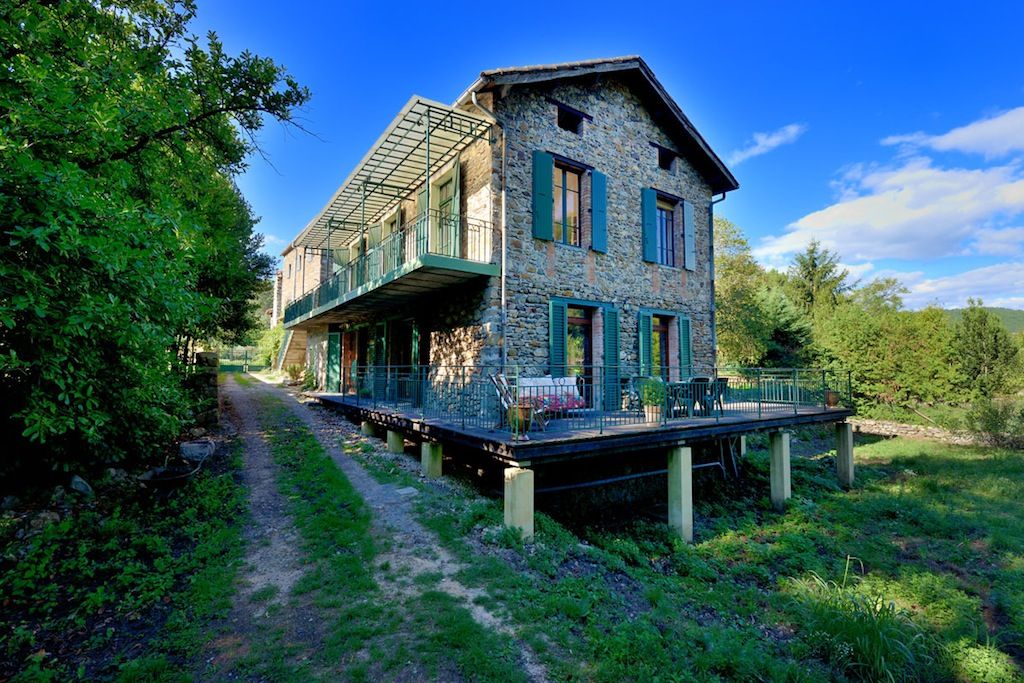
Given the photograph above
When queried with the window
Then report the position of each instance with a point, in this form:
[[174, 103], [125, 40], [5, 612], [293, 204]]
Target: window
[[567, 205], [289, 270], [570, 120], [660, 345], [666, 158], [666, 233]]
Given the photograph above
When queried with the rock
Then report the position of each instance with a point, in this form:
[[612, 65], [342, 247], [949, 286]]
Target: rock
[[116, 475], [407, 491], [197, 451], [196, 432], [41, 520], [9, 503], [59, 494], [79, 485]]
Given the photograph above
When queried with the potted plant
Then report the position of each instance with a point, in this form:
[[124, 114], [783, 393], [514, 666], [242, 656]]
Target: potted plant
[[652, 396], [520, 418], [831, 398]]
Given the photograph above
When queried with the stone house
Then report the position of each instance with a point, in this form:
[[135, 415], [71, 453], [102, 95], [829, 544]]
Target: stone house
[[555, 219]]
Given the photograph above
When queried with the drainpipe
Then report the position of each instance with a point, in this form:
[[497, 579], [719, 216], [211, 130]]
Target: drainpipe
[[504, 250], [711, 261]]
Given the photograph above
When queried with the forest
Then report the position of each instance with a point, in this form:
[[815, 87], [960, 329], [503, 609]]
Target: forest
[[926, 366]]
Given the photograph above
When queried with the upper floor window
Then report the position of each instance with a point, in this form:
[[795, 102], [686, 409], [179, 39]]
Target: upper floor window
[[666, 159], [569, 120], [567, 209], [666, 233]]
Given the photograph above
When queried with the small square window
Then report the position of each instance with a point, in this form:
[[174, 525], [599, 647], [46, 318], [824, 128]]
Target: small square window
[[569, 120], [666, 158]]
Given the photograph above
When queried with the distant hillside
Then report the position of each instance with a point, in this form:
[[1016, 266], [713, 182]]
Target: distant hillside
[[1012, 318]]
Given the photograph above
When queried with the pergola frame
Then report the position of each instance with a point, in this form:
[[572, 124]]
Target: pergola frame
[[422, 139]]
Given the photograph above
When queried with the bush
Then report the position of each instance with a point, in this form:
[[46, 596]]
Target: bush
[[294, 372], [866, 637], [997, 422], [269, 345]]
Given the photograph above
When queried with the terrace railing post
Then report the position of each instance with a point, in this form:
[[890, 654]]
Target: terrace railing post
[[759, 395], [849, 388], [795, 389], [824, 391], [462, 398]]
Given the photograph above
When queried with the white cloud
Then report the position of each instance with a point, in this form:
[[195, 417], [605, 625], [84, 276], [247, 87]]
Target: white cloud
[[911, 211], [762, 143], [997, 285], [857, 271], [271, 240], [992, 137], [998, 242]]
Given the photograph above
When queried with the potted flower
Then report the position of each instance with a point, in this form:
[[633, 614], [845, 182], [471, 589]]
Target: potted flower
[[652, 396], [520, 417], [831, 398]]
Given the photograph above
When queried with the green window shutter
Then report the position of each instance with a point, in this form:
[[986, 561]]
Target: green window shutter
[[685, 343], [557, 337], [543, 195], [649, 223], [612, 390], [599, 212], [645, 331], [421, 200], [689, 248]]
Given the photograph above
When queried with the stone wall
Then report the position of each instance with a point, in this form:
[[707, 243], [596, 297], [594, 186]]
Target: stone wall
[[617, 143], [316, 354], [301, 271]]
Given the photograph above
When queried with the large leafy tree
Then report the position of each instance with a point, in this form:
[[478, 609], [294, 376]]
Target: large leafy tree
[[985, 351], [742, 333], [816, 280], [124, 236]]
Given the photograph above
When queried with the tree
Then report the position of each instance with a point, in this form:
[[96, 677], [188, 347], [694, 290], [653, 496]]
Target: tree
[[816, 279], [125, 238], [985, 351], [742, 336]]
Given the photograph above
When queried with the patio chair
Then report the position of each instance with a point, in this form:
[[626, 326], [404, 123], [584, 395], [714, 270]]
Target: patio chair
[[507, 401], [716, 392]]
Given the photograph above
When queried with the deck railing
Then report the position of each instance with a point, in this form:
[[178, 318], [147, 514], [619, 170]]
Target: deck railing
[[432, 232], [524, 400]]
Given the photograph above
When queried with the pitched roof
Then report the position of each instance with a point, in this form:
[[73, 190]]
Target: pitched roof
[[635, 71]]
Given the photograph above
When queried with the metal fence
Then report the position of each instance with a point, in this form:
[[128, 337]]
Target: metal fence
[[431, 232], [523, 400]]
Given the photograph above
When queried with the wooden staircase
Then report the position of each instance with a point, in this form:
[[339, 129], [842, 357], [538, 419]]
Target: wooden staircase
[[293, 349]]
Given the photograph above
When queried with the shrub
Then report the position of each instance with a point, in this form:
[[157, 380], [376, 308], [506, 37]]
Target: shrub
[[997, 422], [294, 372], [865, 636], [269, 345], [308, 380]]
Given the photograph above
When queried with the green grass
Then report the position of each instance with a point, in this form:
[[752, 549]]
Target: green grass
[[125, 587], [936, 594], [370, 635]]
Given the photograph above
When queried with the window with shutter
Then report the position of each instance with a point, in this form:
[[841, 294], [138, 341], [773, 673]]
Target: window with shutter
[[689, 243], [685, 343], [612, 388], [644, 339], [557, 335]]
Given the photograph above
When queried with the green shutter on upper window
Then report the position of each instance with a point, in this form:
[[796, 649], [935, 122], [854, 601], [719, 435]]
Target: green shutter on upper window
[[685, 352], [689, 246], [557, 334], [543, 195], [644, 333], [612, 390], [599, 212], [649, 223]]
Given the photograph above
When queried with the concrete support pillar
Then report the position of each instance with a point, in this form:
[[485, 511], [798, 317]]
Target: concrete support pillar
[[743, 445], [844, 454], [396, 442], [368, 429], [781, 489], [519, 500], [680, 493], [430, 459]]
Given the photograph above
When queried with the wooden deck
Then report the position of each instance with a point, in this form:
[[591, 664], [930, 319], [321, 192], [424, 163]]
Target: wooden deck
[[564, 439]]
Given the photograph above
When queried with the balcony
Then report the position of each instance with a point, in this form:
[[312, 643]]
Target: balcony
[[433, 251]]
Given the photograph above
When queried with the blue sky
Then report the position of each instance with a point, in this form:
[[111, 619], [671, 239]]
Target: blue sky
[[894, 133]]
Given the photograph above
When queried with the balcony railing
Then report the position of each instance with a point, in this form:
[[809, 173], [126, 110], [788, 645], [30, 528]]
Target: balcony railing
[[430, 233], [523, 401]]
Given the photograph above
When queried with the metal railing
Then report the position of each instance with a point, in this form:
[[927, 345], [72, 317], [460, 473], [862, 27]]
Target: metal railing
[[524, 400], [431, 232]]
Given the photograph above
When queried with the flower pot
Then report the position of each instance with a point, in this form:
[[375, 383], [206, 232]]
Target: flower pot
[[520, 418], [831, 399], [653, 413]]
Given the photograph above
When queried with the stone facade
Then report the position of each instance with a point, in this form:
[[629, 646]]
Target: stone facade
[[301, 271], [616, 142]]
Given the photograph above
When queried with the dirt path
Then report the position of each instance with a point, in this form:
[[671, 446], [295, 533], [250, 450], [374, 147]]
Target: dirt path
[[273, 554], [412, 549]]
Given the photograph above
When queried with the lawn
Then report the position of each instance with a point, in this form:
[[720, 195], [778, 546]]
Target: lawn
[[917, 574]]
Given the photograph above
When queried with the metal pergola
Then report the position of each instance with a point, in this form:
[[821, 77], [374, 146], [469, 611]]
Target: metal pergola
[[421, 140]]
